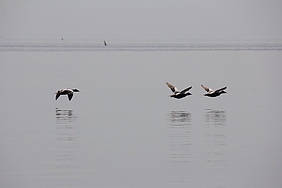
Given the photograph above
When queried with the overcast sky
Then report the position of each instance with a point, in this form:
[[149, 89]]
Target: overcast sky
[[142, 20]]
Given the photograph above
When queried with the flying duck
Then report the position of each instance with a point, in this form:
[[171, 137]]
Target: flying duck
[[212, 93], [178, 94], [67, 91]]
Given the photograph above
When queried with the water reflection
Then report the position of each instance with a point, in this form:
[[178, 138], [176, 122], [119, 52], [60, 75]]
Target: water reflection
[[179, 133], [66, 139], [215, 117], [215, 147], [215, 137]]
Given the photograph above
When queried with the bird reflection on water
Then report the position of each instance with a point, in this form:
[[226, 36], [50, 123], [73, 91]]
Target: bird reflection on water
[[66, 139], [215, 138], [179, 136], [215, 117], [179, 116]]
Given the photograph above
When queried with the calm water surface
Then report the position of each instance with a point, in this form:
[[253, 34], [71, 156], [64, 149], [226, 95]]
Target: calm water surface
[[122, 129]]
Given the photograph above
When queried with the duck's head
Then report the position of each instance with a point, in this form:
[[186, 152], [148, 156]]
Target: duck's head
[[75, 90]]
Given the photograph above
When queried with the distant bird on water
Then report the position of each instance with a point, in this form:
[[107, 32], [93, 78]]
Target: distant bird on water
[[105, 43], [178, 94], [67, 91], [212, 93]]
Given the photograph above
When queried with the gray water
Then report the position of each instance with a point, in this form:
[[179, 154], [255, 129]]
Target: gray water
[[122, 129]]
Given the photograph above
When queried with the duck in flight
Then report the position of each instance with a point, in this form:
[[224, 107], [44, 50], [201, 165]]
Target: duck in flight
[[67, 91], [178, 94], [212, 93]]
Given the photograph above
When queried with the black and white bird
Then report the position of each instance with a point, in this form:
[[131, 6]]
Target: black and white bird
[[67, 91], [178, 94], [212, 93]]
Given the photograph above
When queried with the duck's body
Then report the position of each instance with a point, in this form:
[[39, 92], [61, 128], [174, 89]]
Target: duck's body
[[215, 93], [178, 94], [67, 91]]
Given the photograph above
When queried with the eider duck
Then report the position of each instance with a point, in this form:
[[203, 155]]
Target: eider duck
[[178, 94], [67, 91], [212, 93]]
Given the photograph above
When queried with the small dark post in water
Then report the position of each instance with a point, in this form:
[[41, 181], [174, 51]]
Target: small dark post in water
[[105, 43]]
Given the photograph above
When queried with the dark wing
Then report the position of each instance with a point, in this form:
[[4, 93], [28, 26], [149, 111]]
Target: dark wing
[[58, 94], [206, 88], [221, 89], [173, 89], [187, 89], [70, 95]]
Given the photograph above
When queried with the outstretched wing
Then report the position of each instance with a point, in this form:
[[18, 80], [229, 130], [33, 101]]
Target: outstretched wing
[[207, 89], [221, 89], [70, 95], [58, 94], [173, 89], [187, 89]]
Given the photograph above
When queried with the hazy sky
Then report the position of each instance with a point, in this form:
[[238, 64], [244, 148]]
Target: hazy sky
[[142, 20]]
